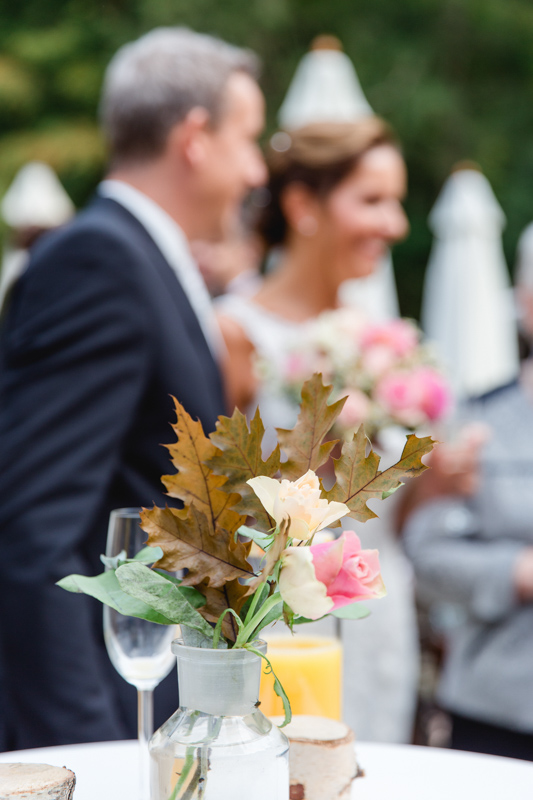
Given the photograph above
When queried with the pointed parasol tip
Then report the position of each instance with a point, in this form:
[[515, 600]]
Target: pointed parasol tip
[[326, 42], [466, 164]]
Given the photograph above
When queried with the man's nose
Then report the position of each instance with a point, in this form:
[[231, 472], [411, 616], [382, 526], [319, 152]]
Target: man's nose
[[257, 171]]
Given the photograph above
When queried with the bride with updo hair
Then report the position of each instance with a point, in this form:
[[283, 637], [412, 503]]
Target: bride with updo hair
[[334, 208]]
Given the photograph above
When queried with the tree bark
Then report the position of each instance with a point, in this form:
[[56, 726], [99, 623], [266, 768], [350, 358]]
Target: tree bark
[[321, 757], [36, 782]]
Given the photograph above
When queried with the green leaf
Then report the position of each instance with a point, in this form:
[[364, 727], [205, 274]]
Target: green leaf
[[304, 445], [106, 588], [278, 688], [194, 597], [273, 615], [164, 596], [148, 555], [261, 538], [353, 611]]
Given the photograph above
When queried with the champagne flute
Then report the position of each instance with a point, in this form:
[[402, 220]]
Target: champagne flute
[[139, 650]]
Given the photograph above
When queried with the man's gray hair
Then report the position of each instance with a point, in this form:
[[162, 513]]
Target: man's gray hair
[[151, 85]]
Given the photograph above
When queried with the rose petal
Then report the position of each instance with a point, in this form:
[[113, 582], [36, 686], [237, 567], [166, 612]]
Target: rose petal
[[299, 586], [327, 560], [267, 490]]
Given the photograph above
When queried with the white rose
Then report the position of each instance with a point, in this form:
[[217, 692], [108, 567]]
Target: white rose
[[300, 501]]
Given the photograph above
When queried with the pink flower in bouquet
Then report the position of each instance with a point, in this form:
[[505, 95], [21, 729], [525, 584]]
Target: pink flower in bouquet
[[383, 345], [355, 410], [317, 580], [398, 335], [434, 392], [297, 367], [414, 397]]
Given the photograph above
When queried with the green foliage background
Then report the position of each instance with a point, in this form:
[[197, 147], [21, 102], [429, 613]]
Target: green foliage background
[[454, 77]]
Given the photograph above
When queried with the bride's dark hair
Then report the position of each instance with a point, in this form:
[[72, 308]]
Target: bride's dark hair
[[319, 156]]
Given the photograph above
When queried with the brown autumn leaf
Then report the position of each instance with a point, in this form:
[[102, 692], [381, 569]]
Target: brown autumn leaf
[[304, 445], [195, 482], [358, 477], [217, 600], [185, 536], [239, 458]]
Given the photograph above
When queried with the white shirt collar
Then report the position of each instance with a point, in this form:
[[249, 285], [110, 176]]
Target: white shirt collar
[[172, 242]]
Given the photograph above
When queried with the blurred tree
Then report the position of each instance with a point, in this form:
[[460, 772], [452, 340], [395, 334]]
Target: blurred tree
[[454, 77]]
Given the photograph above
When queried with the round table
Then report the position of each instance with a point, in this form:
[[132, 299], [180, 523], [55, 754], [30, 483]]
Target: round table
[[108, 771]]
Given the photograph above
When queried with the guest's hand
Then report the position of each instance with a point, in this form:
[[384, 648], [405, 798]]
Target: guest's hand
[[455, 470], [455, 466], [523, 575]]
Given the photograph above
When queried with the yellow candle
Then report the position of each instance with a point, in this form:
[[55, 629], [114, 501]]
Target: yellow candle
[[310, 670]]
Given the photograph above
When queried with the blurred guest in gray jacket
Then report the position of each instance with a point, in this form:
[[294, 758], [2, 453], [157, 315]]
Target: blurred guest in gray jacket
[[477, 553]]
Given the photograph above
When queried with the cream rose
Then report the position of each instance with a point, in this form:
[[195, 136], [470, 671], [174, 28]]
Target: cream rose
[[299, 501]]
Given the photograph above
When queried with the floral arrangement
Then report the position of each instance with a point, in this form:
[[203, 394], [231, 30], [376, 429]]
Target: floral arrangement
[[387, 374], [222, 482]]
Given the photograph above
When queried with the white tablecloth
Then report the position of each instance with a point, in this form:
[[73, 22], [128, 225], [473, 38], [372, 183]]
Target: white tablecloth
[[108, 771]]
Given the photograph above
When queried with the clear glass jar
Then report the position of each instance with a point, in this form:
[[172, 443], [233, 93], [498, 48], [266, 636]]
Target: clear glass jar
[[219, 745]]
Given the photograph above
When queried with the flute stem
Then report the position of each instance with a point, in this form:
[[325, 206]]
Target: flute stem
[[145, 728]]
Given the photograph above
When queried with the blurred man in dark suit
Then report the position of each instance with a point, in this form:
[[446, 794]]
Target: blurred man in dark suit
[[110, 319]]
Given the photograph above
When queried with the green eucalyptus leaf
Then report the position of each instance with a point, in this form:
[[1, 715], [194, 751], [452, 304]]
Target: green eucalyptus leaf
[[112, 562], [162, 595], [106, 588], [194, 597], [261, 538], [353, 611], [148, 555]]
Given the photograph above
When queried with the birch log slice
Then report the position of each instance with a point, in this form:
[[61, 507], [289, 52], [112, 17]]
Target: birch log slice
[[321, 758], [36, 782]]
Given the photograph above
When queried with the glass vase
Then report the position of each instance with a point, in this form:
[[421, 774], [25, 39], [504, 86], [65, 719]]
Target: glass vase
[[219, 745]]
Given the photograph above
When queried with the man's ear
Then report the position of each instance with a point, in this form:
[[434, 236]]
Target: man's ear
[[188, 138]]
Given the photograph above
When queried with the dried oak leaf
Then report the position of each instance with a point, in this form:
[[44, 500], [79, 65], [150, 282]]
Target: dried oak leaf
[[195, 482], [217, 600], [304, 445], [185, 536], [358, 477], [239, 458]]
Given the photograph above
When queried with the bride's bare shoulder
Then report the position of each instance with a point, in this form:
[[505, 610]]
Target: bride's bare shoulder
[[233, 332]]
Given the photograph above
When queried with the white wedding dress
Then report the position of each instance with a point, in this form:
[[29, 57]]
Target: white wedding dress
[[381, 655]]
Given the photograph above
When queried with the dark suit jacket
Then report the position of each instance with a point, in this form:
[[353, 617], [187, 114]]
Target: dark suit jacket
[[97, 335]]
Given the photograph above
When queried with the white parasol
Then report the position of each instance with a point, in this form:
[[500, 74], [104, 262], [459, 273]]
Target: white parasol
[[325, 87], [36, 199], [467, 307]]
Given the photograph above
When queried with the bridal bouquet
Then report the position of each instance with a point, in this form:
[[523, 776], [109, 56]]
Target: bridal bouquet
[[389, 377], [231, 498]]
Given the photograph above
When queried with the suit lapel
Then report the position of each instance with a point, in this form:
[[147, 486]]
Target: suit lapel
[[166, 274]]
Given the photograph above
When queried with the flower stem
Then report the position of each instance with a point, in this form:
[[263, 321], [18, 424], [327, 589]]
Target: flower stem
[[246, 633]]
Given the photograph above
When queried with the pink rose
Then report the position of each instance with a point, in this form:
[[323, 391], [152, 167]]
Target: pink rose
[[398, 335], [355, 410], [434, 391], [296, 367], [317, 580], [414, 397]]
